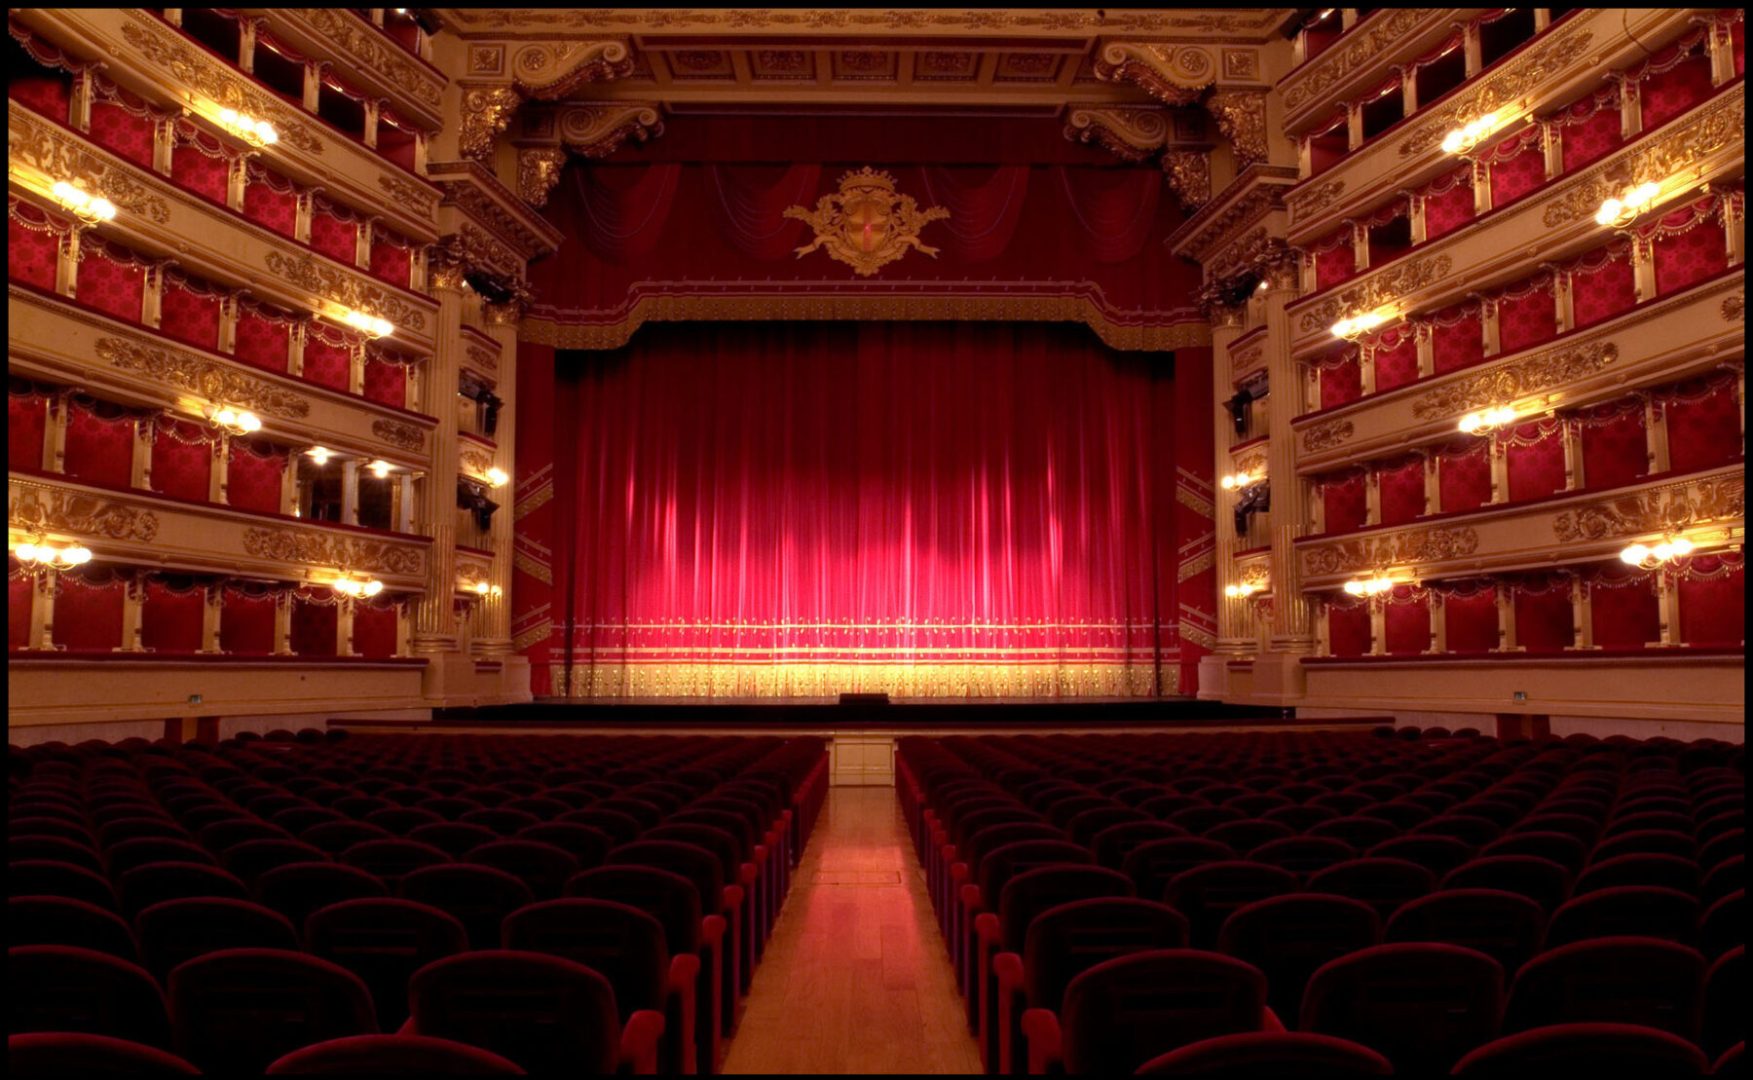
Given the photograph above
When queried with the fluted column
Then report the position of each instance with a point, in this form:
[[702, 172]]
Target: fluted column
[[435, 628], [1235, 630], [493, 621], [1292, 627]]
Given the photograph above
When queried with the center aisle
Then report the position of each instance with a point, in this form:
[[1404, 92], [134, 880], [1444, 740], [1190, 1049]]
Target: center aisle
[[855, 978]]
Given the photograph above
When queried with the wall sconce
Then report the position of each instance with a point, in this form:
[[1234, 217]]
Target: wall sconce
[[88, 208], [483, 588], [1357, 325], [1369, 586], [370, 325], [40, 555], [1237, 481], [257, 133], [498, 477], [1243, 590], [380, 468], [1487, 421], [1648, 557], [232, 421], [358, 587], [320, 455], [1625, 209], [1464, 138]]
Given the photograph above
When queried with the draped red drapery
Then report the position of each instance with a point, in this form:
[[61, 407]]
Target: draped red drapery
[[805, 509]]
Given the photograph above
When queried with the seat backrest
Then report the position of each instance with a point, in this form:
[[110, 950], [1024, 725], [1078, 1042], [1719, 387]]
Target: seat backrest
[[1115, 842], [1026, 895], [1082, 829], [253, 858], [993, 837], [550, 1015], [696, 864], [670, 898], [58, 920], [1724, 924], [623, 828], [1249, 833], [1152, 865], [1208, 894], [1288, 937], [53, 1055], [1420, 1005], [585, 843], [1003, 863], [479, 896], [1725, 1001], [1384, 884], [1304, 854], [1066, 940], [335, 837], [542, 867], [146, 885], [128, 854], [455, 838], [1540, 880], [1271, 1054], [1562, 848], [65, 988], [297, 889], [45, 877], [1123, 1012], [1641, 910], [623, 944], [1506, 926], [392, 860], [1669, 871], [1629, 980], [1596, 1049], [60, 849], [1438, 854], [384, 941], [393, 1055], [238, 1010], [173, 931]]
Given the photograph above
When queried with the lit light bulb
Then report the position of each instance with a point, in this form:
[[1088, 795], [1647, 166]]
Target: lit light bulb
[[380, 468], [1634, 554], [27, 553], [319, 454], [373, 587], [370, 325], [498, 477], [1358, 324], [87, 208], [76, 555]]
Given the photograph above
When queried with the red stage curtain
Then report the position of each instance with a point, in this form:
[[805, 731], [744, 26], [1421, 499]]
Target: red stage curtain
[[1615, 444], [374, 630], [1396, 357], [1348, 629], [1704, 424], [1678, 78], [1543, 614], [314, 625], [120, 122], [33, 245], [88, 611], [182, 459], [1344, 503], [1464, 476], [392, 258], [200, 163], [1713, 600], [1406, 621], [334, 231], [1457, 338], [1603, 285], [1589, 129], [1526, 315], [1114, 208], [110, 279], [984, 211], [1626, 612], [253, 476], [27, 417], [170, 620], [1341, 378], [189, 312], [754, 200], [1335, 259], [1448, 203], [328, 358], [246, 622], [1470, 619], [1402, 487], [18, 598], [930, 509], [271, 201], [385, 380], [264, 337], [1689, 245], [100, 444], [1534, 459], [1518, 166]]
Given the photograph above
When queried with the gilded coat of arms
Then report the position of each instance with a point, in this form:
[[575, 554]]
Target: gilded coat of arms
[[866, 225]]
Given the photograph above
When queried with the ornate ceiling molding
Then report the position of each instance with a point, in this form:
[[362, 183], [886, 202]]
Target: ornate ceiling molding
[[486, 113], [547, 135], [1130, 132], [1173, 74], [550, 70], [473, 192], [1214, 22]]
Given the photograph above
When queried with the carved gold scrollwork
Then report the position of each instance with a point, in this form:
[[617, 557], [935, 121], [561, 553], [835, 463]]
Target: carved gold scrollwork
[[1541, 371], [1129, 132], [598, 129], [1400, 549], [487, 111], [1518, 76], [42, 509], [211, 379], [538, 170], [322, 549], [866, 224], [1659, 510], [342, 287], [396, 433], [184, 65], [1327, 435], [59, 155], [1717, 124], [1398, 281], [1305, 202], [375, 52], [1189, 175], [550, 70], [1354, 54], [1173, 74], [1241, 117]]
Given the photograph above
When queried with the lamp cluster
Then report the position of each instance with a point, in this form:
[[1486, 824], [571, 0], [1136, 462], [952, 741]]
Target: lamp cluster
[[88, 208], [1487, 420], [1369, 586], [1649, 557], [1238, 481], [1356, 325], [248, 128], [370, 325], [1467, 136], [357, 588], [233, 421], [51, 556], [1626, 208], [1243, 589], [484, 588]]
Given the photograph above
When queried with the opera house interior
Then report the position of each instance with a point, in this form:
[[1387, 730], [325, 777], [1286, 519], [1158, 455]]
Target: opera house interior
[[1029, 541]]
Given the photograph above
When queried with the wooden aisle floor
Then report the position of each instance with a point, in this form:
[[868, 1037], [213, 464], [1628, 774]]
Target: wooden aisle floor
[[855, 978]]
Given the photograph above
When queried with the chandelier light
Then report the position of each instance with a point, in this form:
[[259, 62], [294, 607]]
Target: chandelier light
[[88, 208], [1357, 325], [1486, 421], [1240, 480], [370, 325], [1463, 139], [233, 421], [1626, 208], [380, 468], [358, 587], [320, 455], [248, 128], [1650, 557], [1369, 586], [40, 554]]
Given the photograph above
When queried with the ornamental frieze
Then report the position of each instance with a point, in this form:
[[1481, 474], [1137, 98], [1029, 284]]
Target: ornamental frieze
[[341, 287], [396, 433], [1336, 65], [1518, 78], [1735, 307], [550, 70], [346, 552], [61, 155], [487, 111], [1400, 549], [1658, 510], [1173, 74], [1241, 117], [1399, 281], [1326, 436], [1541, 371], [208, 77], [1306, 202], [42, 509], [417, 199], [373, 53], [1129, 132], [214, 380], [1189, 175], [1061, 20]]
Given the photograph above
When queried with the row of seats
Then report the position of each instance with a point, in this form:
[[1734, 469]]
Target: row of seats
[[564, 902], [1111, 898]]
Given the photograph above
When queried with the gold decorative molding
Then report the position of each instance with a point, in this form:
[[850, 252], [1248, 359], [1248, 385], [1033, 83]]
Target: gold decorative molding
[[1244, 361], [1189, 175], [373, 52], [1357, 52], [420, 200], [1306, 202], [1129, 132], [1501, 385], [344, 288], [476, 192], [396, 433], [187, 66], [549, 70], [1327, 435], [487, 111], [1219, 22], [532, 636], [38, 508], [1735, 307], [60, 155], [538, 171], [597, 129], [484, 357], [1398, 549], [1400, 280], [1666, 509], [1500, 90], [866, 224], [327, 550], [215, 380], [1173, 74], [475, 462], [529, 565], [1241, 117]]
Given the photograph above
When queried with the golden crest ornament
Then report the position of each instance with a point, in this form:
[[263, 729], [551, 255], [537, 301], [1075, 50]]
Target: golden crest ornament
[[866, 224]]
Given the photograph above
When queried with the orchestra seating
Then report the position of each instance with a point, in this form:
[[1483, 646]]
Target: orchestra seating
[[1336, 904], [384, 904]]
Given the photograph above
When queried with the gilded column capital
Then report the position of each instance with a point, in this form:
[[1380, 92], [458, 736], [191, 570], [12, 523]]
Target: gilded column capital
[[1241, 117], [486, 113], [1188, 173], [538, 171]]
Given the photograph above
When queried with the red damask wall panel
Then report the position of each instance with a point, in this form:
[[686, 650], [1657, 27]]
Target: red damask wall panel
[[1402, 488], [1344, 503], [1471, 621], [1669, 93], [1713, 601], [327, 364], [314, 627], [1704, 424], [88, 612], [1543, 616], [1626, 613], [263, 340], [254, 476], [386, 382], [1406, 624], [170, 621], [1604, 290], [27, 416], [246, 624], [100, 445], [18, 594], [190, 315], [1457, 338], [1534, 460], [1341, 383], [1396, 359], [122, 125], [111, 281], [1464, 477], [1615, 444], [1527, 320], [374, 630], [1348, 629], [32, 247], [182, 460], [333, 232]]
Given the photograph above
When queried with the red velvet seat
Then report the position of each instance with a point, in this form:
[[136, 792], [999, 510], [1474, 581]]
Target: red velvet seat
[[1540, 880], [297, 889], [67, 989], [1505, 926], [1288, 937], [1724, 925], [239, 1010], [1267, 1055], [335, 837], [384, 941], [1643, 910], [60, 1054], [174, 931], [1438, 854], [146, 885], [1384, 884], [253, 858], [590, 846], [1622, 980], [1209, 894], [392, 860], [55, 849], [544, 868], [1725, 1001], [1668, 871], [1588, 1049], [129, 854], [1420, 1005], [393, 1055], [57, 920]]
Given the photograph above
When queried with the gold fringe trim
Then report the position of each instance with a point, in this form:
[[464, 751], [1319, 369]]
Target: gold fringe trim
[[532, 502], [1198, 564], [534, 569], [1193, 333], [535, 635], [694, 680], [1193, 501]]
